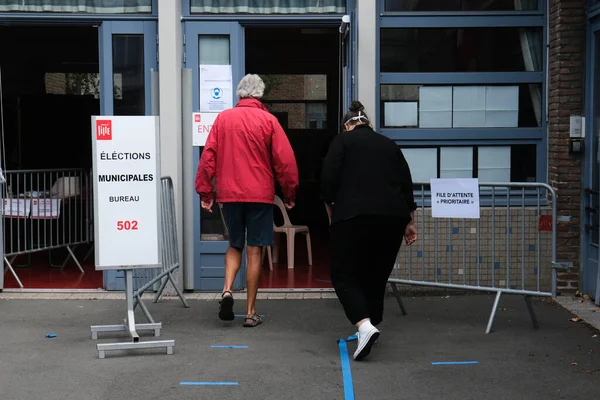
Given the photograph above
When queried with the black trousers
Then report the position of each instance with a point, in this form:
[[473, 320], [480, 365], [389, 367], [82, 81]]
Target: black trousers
[[363, 252]]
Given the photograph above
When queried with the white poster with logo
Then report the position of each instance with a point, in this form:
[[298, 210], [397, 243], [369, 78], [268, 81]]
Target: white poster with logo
[[455, 198], [216, 88], [45, 209], [126, 177], [203, 123], [16, 208]]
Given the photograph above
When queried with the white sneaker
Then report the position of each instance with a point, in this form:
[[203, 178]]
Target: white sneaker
[[365, 342]]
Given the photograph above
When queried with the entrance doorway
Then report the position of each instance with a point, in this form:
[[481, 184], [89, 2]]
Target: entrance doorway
[[53, 79], [307, 81], [301, 70], [591, 271], [50, 89]]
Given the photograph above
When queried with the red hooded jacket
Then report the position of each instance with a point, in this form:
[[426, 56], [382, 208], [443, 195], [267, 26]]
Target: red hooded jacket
[[245, 145]]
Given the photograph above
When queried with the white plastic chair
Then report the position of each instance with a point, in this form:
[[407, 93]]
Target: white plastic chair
[[290, 231]]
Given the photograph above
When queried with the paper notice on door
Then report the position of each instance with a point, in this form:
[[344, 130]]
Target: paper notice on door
[[216, 88], [202, 124], [45, 209]]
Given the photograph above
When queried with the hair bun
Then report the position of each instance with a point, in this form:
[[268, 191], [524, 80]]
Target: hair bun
[[356, 106]]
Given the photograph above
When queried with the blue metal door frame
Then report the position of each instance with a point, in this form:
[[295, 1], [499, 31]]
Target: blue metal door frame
[[114, 280], [209, 256], [590, 273]]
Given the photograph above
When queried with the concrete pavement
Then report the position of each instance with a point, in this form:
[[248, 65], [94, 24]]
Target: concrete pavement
[[294, 354]]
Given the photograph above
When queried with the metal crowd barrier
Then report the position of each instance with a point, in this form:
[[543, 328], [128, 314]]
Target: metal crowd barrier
[[45, 210], [157, 279], [511, 249]]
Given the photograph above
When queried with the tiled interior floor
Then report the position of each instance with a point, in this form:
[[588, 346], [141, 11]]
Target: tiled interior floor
[[36, 272], [302, 276]]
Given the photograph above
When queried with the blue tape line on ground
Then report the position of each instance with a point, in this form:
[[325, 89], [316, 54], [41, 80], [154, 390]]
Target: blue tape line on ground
[[454, 362], [352, 338], [346, 372], [228, 347], [208, 383], [243, 315]]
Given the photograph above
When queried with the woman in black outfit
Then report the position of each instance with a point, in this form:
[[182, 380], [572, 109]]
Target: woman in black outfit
[[367, 189]]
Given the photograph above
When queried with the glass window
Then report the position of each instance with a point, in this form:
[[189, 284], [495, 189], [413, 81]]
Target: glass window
[[461, 49], [456, 162], [461, 106], [214, 50], [295, 87], [268, 6], [78, 6], [129, 81], [77, 83], [298, 101], [504, 163], [297, 115], [423, 163], [494, 164], [460, 5]]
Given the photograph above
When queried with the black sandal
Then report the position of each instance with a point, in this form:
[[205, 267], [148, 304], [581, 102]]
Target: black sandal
[[254, 319], [226, 307]]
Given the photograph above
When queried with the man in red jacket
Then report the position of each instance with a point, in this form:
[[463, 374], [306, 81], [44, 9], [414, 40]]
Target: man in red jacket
[[245, 145]]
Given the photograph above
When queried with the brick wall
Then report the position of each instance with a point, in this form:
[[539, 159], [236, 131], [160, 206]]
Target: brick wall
[[566, 97]]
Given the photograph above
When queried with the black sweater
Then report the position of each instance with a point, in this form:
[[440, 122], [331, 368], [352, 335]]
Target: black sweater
[[365, 173]]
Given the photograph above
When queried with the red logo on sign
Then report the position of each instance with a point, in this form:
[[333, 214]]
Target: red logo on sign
[[545, 223], [104, 130], [197, 118]]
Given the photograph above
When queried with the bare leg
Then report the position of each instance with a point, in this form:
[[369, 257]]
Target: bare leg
[[359, 323], [233, 262], [252, 277]]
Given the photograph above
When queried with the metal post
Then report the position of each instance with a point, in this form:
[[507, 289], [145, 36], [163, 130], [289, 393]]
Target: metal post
[[394, 286], [131, 327], [531, 312], [188, 177], [493, 314], [129, 297]]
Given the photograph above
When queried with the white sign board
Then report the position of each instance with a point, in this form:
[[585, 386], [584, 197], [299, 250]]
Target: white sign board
[[455, 198], [203, 123], [16, 208], [45, 209], [216, 88], [126, 192]]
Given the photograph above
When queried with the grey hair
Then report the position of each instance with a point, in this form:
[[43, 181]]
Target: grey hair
[[251, 85]]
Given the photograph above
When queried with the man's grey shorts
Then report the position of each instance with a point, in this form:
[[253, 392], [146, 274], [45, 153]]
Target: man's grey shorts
[[251, 222]]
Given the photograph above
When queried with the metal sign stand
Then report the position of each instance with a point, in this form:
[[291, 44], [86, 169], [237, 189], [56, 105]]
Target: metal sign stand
[[129, 237], [130, 326]]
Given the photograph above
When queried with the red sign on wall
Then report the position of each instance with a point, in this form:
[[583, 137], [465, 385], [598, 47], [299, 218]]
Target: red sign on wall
[[545, 223], [104, 130]]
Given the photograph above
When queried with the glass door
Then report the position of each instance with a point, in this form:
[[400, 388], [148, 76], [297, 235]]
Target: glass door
[[213, 51], [591, 272], [128, 54]]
